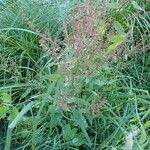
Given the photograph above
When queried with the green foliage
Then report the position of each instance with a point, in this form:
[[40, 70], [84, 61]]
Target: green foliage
[[6, 107], [117, 40], [64, 102]]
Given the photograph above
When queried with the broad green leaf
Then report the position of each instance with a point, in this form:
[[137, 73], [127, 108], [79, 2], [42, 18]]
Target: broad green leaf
[[134, 119], [119, 28], [66, 132], [13, 113], [142, 108], [100, 82], [69, 133], [118, 108], [147, 124], [56, 118], [79, 140], [143, 137], [117, 39], [5, 97], [55, 76], [113, 46], [52, 109], [81, 121], [3, 111], [134, 128]]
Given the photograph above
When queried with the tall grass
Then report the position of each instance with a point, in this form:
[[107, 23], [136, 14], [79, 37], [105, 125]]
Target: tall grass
[[74, 75]]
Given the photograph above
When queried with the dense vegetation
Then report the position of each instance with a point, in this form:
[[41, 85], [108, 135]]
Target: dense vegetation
[[74, 74]]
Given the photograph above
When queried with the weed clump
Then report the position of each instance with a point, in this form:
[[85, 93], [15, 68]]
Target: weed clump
[[76, 82]]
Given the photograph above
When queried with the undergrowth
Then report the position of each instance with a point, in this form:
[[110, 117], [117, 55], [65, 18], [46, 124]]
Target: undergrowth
[[74, 75]]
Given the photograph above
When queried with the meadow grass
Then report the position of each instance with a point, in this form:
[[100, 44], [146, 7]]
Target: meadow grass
[[74, 75]]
